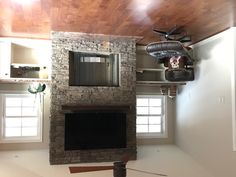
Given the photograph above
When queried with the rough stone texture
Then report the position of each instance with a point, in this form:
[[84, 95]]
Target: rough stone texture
[[63, 94]]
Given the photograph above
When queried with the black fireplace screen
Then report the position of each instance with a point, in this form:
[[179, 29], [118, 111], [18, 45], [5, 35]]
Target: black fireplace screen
[[95, 130]]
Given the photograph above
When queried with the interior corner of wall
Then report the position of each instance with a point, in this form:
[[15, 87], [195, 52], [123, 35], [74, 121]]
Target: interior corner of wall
[[234, 131]]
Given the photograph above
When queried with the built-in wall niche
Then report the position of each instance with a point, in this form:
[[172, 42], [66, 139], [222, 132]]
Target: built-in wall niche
[[29, 61], [22, 58], [92, 69]]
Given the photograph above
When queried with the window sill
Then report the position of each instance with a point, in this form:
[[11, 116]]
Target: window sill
[[25, 140], [151, 135]]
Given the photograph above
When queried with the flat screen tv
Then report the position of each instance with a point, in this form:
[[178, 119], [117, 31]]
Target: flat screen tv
[[93, 130]]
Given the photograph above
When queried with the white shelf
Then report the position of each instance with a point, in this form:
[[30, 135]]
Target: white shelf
[[25, 64], [153, 83], [141, 70], [23, 80]]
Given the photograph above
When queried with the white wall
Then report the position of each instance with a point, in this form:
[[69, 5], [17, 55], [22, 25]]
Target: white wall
[[204, 107]]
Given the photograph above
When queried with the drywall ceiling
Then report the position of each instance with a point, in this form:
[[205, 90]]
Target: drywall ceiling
[[36, 18]]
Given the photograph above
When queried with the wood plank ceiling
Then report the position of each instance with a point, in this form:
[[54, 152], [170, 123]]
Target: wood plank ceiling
[[201, 18]]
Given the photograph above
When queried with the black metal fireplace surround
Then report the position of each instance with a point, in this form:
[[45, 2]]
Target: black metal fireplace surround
[[95, 130]]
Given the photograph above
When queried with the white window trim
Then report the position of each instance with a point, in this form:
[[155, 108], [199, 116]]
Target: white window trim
[[24, 139], [164, 134]]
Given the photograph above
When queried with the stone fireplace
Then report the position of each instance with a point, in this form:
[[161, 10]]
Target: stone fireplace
[[65, 98]]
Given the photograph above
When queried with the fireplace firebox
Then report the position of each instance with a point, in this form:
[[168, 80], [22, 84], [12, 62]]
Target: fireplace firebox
[[95, 130]]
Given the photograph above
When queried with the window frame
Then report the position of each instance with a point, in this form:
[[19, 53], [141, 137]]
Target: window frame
[[20, 139], [164, 133]]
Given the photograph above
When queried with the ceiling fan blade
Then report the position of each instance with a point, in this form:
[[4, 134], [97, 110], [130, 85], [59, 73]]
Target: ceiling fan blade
[[185, 39], [160, 32], [172, 31], [168, 38], [176, 30], [81, 169]]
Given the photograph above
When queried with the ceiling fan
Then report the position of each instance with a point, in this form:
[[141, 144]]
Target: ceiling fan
[[119, 169], [176, 33]]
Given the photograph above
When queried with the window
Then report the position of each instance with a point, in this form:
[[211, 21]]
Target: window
[[20, 117], [150, 120]]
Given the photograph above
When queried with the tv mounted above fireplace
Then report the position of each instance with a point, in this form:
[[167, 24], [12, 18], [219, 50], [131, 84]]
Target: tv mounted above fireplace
[[95, 130], [91, 69]]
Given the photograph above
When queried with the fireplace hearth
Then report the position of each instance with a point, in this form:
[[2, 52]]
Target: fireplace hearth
[[67, 99]]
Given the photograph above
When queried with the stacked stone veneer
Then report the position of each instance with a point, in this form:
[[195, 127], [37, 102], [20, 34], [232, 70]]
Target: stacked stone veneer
[[63, 94]]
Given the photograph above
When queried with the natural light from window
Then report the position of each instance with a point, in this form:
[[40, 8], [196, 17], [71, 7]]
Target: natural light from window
[[21, 117], [150, 115]]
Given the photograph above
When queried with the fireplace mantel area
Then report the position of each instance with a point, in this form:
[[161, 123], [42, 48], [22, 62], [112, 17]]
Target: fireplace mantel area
[[87, 103]]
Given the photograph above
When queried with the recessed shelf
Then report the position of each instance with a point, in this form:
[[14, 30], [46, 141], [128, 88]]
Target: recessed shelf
[[150, 74]]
